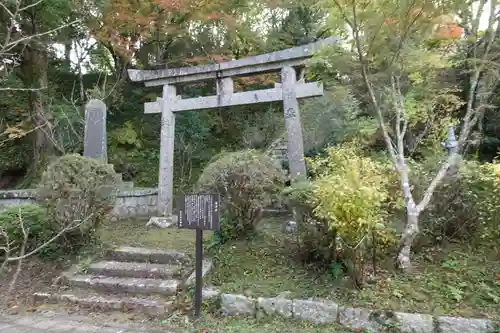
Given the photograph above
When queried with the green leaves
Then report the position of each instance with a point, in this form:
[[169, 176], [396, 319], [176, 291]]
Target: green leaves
[[127, 135], [389, 38], [349, 193], [247, 181]]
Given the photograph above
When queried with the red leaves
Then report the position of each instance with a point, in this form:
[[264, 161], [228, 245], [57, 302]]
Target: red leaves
[[209, 59], [219, 58], [445, 27], [172, 5], [214, 16], [449, 31]]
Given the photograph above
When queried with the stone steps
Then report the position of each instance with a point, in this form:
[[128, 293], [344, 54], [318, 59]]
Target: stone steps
[[89, 300], [125, 285], [137, 254], [136, 270], [128, 279]]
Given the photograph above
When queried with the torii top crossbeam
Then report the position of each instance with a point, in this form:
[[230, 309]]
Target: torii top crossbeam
[[267, 62]]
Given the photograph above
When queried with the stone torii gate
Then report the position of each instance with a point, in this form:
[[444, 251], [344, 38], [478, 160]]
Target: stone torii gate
[[289, 91]]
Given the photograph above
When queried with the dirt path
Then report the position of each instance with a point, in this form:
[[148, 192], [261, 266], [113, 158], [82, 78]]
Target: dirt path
[[63, 323]]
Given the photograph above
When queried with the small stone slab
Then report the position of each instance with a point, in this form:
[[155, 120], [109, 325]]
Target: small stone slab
[[462, 325], [137, 254], [135, 270], [206, 266], [415, 322], [290, 227], [280, 306], [129, 285], [354, 318], [162, 221], [209, 292], [127, 185], [319, 312], [383, 321], [148, 307], [235, 305]]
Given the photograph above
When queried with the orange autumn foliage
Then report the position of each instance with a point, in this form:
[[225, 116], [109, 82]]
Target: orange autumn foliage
[[174, 5], [125, 23], [449, 31], [445, 26]]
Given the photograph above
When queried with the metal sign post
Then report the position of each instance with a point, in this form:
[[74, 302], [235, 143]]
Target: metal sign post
[[199, 212]]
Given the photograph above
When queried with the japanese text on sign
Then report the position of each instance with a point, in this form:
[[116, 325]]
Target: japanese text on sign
[[199, 211]]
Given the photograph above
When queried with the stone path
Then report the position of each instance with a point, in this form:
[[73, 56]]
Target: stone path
[[56, 323]]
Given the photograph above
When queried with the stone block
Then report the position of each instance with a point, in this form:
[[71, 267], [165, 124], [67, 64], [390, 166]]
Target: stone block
[[162, 221], [415, 322], [237, 305], [290, 227], [319, 311], [464, 325], [280, 306], [209, 292], [206, 266], [127, 185], [383, 321], [354, 318]]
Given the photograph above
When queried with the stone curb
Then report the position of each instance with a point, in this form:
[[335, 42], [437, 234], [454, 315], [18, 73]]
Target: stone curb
[[321, 311], [122, 192]]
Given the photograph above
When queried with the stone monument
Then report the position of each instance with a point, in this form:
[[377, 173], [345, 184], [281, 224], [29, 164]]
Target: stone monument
[[95, 142]]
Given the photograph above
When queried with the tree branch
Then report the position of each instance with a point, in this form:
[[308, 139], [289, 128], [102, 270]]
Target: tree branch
[[13, 44], [452, 160], [44, 245], [468, 121], [400, 133]]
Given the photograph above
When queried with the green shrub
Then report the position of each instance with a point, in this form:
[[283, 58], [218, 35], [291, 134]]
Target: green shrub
[[247, 181], [484, 193], [36, 222], [317, 242], [347, 209], [75, 188], [465, 207]]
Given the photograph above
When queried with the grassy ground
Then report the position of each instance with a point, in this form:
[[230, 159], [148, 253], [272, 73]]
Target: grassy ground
[[453, 281], [134, 233], [211, 324]]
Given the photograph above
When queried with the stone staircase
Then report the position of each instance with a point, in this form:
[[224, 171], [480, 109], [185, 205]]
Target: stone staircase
[[128, 279]]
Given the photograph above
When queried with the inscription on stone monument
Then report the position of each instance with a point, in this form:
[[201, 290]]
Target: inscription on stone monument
[[290, 113]]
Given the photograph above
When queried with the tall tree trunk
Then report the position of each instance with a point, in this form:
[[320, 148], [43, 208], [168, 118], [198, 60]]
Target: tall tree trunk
[[408, 236], [67, 54], [34, 67]]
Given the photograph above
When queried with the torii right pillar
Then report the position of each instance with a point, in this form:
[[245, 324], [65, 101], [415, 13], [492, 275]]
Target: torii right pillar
[[295, 145]]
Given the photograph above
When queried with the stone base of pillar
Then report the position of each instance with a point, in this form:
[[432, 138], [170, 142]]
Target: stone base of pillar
[[162, 221]]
